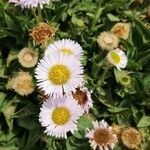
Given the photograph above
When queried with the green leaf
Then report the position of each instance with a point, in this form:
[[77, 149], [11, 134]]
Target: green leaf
[[2, 97], [2, 69], [3, 33], [11, 20], [76, 144], [144, 122], [51, 144], [97, 16], [117, 109], [8, 109], [146, 82], [6, 136], [9, 146], [145, 32], [84, 122], [124, 118], [28, 110], [112, 17], [27, 122], [33, 137], [12, 56]]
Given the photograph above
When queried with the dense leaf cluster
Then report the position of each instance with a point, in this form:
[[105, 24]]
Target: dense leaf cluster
[[81, 20]]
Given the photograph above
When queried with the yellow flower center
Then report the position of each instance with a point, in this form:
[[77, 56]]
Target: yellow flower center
[[59, 74], [115, 57], [61, 115], [28, 57], [101, 137], [108, 40], [66, 51]]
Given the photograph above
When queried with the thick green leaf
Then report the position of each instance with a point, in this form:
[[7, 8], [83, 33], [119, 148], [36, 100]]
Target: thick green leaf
[[117, 109], [75, 144], [2, 97], [112, 17], [11, 20], [84, 122], [144, 122], [8, 109], [33, 137], [145, 32], [27, 122], [12, 56]]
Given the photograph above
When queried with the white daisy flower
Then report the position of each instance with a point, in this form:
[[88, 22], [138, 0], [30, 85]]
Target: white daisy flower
[[101, 136], [58, 74], [30, 3], [117, 58], [65, 46], [60, 116], [83, 97]]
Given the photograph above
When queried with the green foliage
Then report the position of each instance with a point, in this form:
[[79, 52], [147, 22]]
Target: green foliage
[[81, 20]]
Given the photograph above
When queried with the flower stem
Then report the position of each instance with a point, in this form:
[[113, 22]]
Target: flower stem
[[39, 14], [103, 77], [34, 14]]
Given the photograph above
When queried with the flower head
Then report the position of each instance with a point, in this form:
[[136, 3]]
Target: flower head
[[29, 3], [83, 97], [42, 33], [123, 77], [59, 74], [131, 138], [27, 57], [23, 83], [65, 46], [117, 58], [101, 136], [108, 40], [60, 116], [10, 83], [121, 30], [13, 1], [116, 129]]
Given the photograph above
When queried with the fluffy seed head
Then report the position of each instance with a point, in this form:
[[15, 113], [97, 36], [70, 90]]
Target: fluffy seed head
[[27, 57], [121, 30], [116, 129], [131, 138], [108, 40], [23, 83]]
